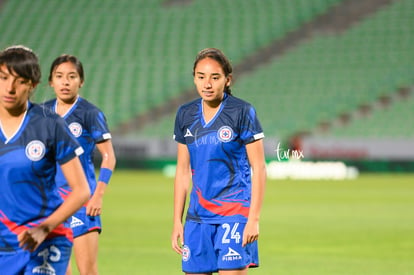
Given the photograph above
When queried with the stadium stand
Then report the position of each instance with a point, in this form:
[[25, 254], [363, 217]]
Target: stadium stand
[[332, 75], [384, 120], [138, 56]]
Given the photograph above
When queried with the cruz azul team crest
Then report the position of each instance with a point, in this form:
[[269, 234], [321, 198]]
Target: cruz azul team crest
[[76, 129], [225, 134], [35, 150]]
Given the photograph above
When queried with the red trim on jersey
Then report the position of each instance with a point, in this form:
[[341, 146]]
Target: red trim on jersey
[[59, 231], [12, 226], [223, 208]]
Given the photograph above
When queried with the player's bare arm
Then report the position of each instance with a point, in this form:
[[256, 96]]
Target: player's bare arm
[[33, 237], [181, 185], [105, 148], [255, 153]]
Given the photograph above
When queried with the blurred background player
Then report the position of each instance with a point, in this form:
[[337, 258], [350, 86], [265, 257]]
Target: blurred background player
[[88, 124], [33, 238], [220, 139]]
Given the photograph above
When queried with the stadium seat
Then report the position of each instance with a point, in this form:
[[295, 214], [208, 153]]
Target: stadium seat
[[139, 54]]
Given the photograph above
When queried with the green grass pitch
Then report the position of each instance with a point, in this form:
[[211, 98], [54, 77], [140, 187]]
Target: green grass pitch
[[363, 226]]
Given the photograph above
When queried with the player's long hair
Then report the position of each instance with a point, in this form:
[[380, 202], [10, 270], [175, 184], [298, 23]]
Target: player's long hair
[[67, 58], [219, 56]]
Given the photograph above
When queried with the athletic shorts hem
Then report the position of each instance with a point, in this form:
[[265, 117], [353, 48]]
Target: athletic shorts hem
[[200, 272], [98, 229], [217, 270], [253, 265]]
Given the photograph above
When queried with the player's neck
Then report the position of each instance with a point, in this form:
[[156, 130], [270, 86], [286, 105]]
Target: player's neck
[[11, 120], [62, 107], [15, 112], [210, 110]]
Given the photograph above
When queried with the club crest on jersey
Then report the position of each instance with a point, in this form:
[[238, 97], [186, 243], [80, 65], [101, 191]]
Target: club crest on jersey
[[75, 129], [35, 150], [225, 134]]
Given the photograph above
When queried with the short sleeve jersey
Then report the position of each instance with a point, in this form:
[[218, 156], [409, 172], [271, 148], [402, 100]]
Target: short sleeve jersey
[[88, 124], [28, 193], [221, 173]]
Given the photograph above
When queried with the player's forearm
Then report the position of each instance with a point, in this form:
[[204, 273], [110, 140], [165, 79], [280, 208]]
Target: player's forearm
[[108, 160], [72, 203], [80, 194], [107, 152], [107, 166], [181, 186], [258, 190], [178, 214], [255, 153], [180, 196], [100, 189]]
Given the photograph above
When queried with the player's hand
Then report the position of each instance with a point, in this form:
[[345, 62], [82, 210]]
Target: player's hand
[[94, 206], [250, 233], [31, 239], [177, 238]]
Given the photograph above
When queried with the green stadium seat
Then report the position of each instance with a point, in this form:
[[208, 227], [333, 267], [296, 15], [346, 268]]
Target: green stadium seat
[[139, 54]]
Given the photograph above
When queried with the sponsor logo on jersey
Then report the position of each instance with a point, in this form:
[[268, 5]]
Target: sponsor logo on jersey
[[46, 268], [186, 253], [75, 222], [225, 134], [188, 133], [50, 254], [75, 129], [35, 150], [232, 255]]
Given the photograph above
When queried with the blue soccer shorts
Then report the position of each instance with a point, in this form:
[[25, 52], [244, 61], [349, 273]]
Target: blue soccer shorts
[[81, 223], [213, 247], [51, 257]]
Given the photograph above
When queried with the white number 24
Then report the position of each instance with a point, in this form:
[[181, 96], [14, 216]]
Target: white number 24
[[230, 231]]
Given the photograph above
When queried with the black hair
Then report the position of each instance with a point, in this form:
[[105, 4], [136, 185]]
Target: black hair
[[22, 61], [67, 58]]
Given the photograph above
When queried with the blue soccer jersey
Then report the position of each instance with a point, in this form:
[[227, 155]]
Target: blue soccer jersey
[[221, 172], [28, 192], [88, 124]]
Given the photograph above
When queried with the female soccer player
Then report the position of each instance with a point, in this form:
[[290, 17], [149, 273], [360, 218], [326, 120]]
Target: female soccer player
[[33, 238], [88, 124], [220, 149]]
